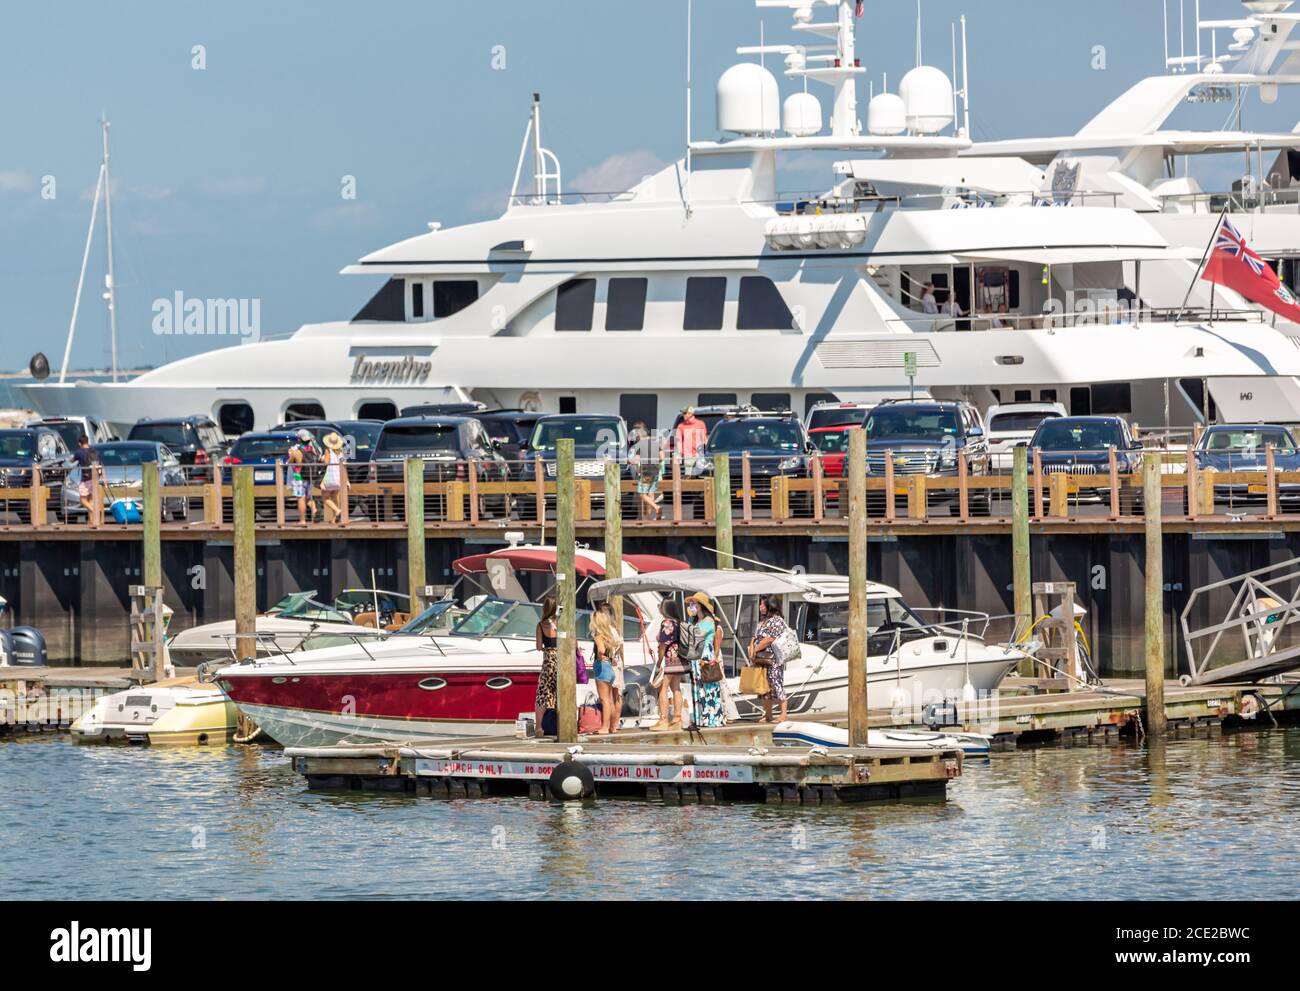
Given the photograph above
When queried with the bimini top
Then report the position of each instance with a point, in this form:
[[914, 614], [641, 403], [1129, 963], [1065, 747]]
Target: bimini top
[[587, 564], [734, 584]]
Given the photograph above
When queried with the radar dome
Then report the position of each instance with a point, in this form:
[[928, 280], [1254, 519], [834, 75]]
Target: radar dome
[[802, 116], [927, 94], [886, 114], [749, 100]]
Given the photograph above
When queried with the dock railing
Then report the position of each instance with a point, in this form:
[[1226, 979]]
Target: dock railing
[[903, 487]]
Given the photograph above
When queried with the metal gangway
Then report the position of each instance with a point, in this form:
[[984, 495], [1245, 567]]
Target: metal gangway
[[1251, 643]]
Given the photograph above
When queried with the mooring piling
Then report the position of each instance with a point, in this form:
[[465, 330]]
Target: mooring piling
[[722, 510], [245, 564], [1152, 469], [151, 515], [415, 570], [614, 532], [566, 586], [1022, 574], [858, 635]]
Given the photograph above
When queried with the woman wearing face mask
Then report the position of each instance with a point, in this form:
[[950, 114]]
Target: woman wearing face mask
[[670, 687], [706, 696]]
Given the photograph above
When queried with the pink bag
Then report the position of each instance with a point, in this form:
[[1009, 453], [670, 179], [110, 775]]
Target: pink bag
[[590, 719]]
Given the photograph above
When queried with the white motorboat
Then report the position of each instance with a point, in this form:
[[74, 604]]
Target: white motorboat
[[179, 713]]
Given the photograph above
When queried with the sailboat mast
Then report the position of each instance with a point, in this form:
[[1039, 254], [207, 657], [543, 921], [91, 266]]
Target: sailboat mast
[[110, 281]]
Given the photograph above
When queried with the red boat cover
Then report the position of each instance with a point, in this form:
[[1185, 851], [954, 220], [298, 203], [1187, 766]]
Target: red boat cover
[[543, 559]]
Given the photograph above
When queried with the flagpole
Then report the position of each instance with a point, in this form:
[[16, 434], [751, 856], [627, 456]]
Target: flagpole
[[1199, 268]]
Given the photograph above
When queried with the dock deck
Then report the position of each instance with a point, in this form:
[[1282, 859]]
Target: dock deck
[[646, 765]]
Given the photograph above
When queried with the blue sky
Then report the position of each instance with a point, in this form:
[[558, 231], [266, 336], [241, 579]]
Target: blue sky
[[227, 179]]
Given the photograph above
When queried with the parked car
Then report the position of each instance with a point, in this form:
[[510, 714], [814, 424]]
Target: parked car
[[596, 439], [1012, 425], [263, 452], [825, 415], [777, 447], [196, 440], [122, 476], [1080, 445], [445, 443], [510, 430], [22, 450], [72, 428], [833, 443], [925, 437], [1244, 448]]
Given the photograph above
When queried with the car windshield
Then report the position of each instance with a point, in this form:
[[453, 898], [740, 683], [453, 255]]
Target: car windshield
[[1077, 435], [1026, 423], [444, 439], [122, 457], [17, 445], [1251, 441], [261, 448], [748, 435], [835, 417], [171, 434], [364, 436], [835, 442], [901, 421], [509, 429], [70, 431], [590, 434]]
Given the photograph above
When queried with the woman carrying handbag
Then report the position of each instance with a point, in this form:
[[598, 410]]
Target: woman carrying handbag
[[706, 671], [771, 627]]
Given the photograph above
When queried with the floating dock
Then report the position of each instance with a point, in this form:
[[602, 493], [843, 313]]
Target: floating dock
[[635, 764], [50, 699]]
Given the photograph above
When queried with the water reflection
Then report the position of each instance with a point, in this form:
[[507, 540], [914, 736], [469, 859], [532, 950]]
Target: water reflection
[[1120, 820]]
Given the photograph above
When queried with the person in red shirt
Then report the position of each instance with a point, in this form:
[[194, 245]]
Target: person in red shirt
[[690, 437]]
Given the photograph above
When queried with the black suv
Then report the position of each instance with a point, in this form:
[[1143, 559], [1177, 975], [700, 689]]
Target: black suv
[[925, 437], [446, 444], [777, 445], [25, 449], [1080, 445], [196, 440]]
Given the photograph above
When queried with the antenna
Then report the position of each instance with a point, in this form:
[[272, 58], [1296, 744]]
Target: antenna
[[690, 21], [110, 284], [965, 76], [918, 32]]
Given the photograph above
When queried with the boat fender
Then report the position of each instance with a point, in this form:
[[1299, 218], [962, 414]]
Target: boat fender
[[571, 782]]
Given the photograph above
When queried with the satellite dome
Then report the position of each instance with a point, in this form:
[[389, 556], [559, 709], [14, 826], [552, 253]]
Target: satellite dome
[[886, 114], [749, 100], [927, 94], [802, 116]]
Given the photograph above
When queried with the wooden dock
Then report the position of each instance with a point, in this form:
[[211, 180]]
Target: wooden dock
[[651, 766]]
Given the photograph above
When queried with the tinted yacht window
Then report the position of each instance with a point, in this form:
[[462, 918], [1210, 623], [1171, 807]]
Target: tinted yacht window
[[706, 300], [761, 306], [386, 306], [449, 298], [625, 307], [575, 302], [417, 300]]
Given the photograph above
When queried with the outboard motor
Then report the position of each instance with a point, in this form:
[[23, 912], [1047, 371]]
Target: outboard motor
[[28, 647]]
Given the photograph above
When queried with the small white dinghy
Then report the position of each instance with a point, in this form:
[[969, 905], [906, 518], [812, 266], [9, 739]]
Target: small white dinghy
[[821, 735]]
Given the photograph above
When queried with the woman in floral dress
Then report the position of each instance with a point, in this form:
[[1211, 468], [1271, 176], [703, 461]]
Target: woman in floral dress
[[709, 709], [770, 626]]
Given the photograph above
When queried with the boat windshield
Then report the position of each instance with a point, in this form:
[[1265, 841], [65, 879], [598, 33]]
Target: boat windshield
[[432, 620], [518, 620], [826, 624], [363, 600], [301, 605]]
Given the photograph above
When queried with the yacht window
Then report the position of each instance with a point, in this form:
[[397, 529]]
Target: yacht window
[[1081, 401], [1024, 396], [380, 410], [1112, 399], [717, 399], [575, 302], [771, 402], [640, 408], [449, 298], [417, 300], [296, 412], [761, 306], [706, 301], [625, 304], [386, 306], [235, 418], [568, 405], [1013, 291], [1047, 396]]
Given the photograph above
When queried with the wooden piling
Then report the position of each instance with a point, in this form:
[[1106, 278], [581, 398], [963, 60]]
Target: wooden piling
[[415, 571], [614, 533], [151, 514], [566, 684], [1155, 597], [858, 634], [245, 525], [722, 510], [1022, 576]]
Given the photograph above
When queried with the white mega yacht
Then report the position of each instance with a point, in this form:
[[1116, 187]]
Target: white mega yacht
[[706, 284]]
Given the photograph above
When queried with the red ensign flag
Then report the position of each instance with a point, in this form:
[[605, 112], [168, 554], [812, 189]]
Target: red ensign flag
[[1234, 265]]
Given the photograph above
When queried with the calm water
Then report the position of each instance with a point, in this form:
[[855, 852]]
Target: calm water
[[1197, 818]]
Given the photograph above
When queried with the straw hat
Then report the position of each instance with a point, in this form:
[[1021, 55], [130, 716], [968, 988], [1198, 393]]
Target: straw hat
[[703, 601], [333, 442]]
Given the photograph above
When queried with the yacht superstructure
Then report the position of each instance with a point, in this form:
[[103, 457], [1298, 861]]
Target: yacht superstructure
[[705, 284]]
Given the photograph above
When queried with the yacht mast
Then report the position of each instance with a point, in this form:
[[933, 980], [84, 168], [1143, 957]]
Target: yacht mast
[[109, 281]]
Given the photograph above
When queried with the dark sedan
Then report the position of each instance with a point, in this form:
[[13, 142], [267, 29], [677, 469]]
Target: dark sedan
[[23, 450], [122, 478], [1080, 445], [1244, 449]]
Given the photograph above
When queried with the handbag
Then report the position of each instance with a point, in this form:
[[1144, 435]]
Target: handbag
[[786, 647], [581, 663], [753, 681], [710, 672]]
